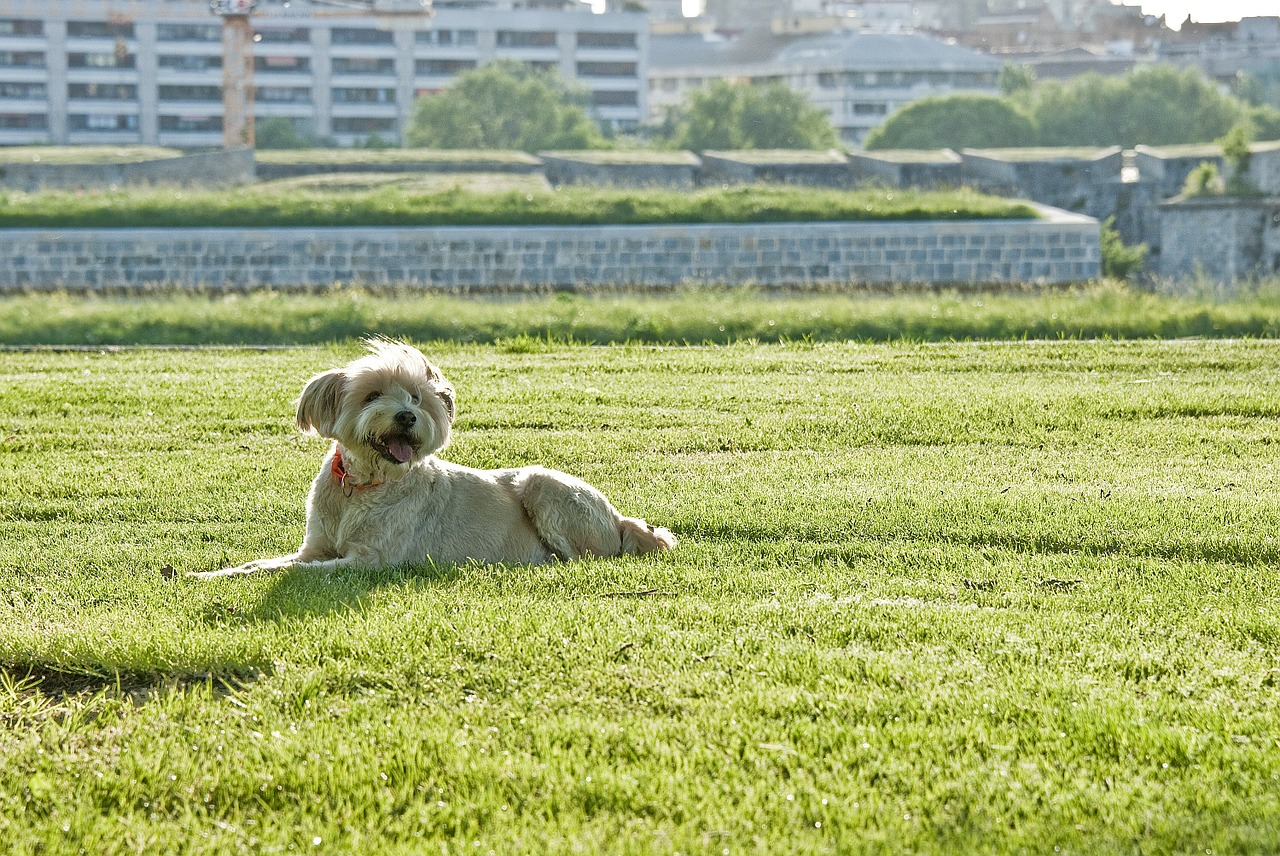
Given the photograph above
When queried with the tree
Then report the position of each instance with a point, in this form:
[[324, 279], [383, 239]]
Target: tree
[[504, 105], [744, 116], [279, 132], [1155, 106], [1016, 80], [961, 121]]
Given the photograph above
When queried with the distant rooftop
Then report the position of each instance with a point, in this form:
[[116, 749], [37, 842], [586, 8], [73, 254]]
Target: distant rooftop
[[845, 50]]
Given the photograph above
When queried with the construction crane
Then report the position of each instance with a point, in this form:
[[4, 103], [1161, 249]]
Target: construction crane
[[237, 56]]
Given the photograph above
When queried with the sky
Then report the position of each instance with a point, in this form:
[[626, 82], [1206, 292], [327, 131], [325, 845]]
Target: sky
[[1176, 11]]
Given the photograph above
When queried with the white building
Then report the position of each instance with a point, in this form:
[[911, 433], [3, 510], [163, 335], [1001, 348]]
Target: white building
[[859, 78], [150, 71]]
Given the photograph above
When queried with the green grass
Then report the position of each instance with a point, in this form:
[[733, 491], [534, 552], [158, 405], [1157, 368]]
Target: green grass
[[341, 157], [85, 154], [995, 598], [267, 205], [698, 316]]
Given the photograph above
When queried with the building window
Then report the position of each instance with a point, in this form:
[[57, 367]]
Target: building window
[[21, 59], [828, 79], [607, 40], [99, 30], [191, 123], [187, 62], [102, 122], [443, 66], [188, 33], [116, 59], [445, 37], [282, 95], [24, 121], [363, 65], [626, 98], [281, 64], [361, 36], [363, 125], [21, 27], [102, 91], [606, 69], [378, 95], [526, 38], [869, 108], [24, 91], [191, 93], [282, 35]]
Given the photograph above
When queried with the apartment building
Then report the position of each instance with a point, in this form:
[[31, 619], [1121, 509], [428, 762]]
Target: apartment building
[[150, 71], [859, 78]]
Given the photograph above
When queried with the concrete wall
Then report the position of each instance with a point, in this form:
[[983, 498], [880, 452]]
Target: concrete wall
[[1264, 168], [899, 169], [508, 162], [1220, 238], [1059, 248], [674, 170], [810, 169], [1168, 168], [206, 169], [1077, 182]]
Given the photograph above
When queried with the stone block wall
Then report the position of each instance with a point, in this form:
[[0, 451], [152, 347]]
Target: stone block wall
[[1058, 248]]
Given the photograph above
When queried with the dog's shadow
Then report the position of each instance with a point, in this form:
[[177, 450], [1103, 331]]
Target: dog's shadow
[[303, 594]]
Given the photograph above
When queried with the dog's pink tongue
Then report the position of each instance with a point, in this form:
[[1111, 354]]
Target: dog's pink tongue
[[400, 450]]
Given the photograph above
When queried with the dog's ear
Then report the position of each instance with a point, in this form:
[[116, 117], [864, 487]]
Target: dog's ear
[[446, 395], [318, 405]]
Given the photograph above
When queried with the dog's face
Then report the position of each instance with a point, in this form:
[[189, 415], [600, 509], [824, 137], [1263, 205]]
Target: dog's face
[[391, 404]]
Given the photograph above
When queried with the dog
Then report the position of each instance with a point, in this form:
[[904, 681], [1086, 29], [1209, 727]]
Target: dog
[[382, 498]]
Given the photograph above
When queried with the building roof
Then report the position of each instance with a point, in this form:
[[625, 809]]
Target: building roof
[[843, 50]]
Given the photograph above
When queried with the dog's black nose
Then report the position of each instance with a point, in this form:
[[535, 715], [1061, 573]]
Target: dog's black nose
[[405, 418]]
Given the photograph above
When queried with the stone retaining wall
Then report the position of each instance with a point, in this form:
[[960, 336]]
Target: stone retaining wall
[[1059, 248]]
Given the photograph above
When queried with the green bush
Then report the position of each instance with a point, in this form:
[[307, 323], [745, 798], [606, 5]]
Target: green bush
[[1120, 260]]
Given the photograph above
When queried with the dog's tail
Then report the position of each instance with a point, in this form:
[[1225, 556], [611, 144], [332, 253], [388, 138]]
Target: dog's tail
[[639, 537]]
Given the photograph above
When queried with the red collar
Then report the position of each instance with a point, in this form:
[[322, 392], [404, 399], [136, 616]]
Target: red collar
[[339, 470]]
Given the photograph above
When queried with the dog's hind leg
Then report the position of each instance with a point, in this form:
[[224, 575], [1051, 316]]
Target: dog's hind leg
[[573, 519]]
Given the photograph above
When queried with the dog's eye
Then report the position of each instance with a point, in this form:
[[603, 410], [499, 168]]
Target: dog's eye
[[416, 399], [372, 397]]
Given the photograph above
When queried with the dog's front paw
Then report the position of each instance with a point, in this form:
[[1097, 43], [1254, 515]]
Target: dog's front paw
[[225, 572]]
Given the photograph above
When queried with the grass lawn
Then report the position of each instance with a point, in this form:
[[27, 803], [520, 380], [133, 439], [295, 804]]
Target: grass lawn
[[698, 316], [929, 597]]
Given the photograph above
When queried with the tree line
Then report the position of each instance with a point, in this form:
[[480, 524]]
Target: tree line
[[507, 105], [1157, 105]]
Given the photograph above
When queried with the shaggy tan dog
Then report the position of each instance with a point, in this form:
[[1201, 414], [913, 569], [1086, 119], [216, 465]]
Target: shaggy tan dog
[[383, 498]]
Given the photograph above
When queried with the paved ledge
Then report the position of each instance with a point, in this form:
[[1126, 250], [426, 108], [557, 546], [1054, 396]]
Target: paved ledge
[[1058, 248]]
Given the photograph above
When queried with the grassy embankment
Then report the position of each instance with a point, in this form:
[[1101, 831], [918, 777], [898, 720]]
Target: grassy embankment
[[379, 201]]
